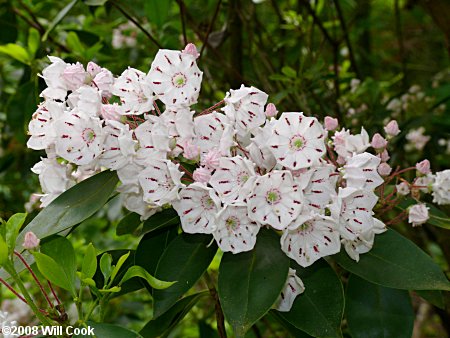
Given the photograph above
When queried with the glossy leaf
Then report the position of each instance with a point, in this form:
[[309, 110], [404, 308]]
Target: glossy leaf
[[250, 282], [119, 264], [128, 224], [73, 206], [295, 332], [160, 220], [375, 311], [164, 324], [62, 252], [16, 52], [89, 265], [3, 251], [434, 297], [138, 271], [184, 260], [52, 271], [34, 40], [396, 262], [319, 310], [13, 226], [105, 266]]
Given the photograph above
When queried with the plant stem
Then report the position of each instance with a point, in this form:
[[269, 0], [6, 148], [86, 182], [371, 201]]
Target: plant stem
[[220, 318]]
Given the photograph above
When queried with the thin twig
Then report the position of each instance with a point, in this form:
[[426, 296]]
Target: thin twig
[[136, 23], [318, 22], [35, 278], [13, 291], [219, 314], [183, 23], [53, 292], [210, 27]]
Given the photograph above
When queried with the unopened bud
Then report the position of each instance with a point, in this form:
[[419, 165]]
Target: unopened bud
[[331, 123], [191, 49], [271, 110], [31, 241]]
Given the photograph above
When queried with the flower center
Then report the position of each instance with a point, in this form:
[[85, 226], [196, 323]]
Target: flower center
[[297, 143], [242, 177], [88, 135], [232, 223], [305, 228], [208, 203], [179, 80], [273, 196]]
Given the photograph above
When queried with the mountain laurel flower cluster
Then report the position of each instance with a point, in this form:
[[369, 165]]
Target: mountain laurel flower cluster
[[228, 170]]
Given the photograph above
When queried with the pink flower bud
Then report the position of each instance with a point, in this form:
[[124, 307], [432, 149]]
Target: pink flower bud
[[111, 111], [211, 159], [418, 214], [423, 167], [191, 151], [74, 76], [191, 49], [384, 156], [403, 188], [271, 110], [93, 69], [391, 128], [384, 169], [331, 123], [104, 81], [31, 241], [378, 142], [201, 175]]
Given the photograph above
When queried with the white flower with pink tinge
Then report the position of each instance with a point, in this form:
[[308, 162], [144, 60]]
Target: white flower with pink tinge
[[275, 200], [353, 211], [197, 207], [310, 237], [79, 137], [175, 78], [119, 146], [214, 131], [259, 150], [180, 122], [319, 186], [297, 140], [233, 180], [135, 203], [441, 188], [128, 177], [153, 139], [87, 99], [294, 286], [346, 144], [52, 74], [245, 107], [363, 243], [160, 181], [361, 172], [41, 128], [134, 91], [235, 231]]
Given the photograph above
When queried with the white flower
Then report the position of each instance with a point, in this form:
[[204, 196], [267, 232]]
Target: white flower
[[197, 207], [214, 131], [119, 146], [424, 183], [310, 237], [103, 81], [135, 203], [259, 150], [235, 231], [41, 128], [294, 286], [175, 78], [87, 99], [160, 181], [128, 176], [403, 188], [297, 141], [275, 200], [74, 76], [441, 188], [180, 123], [52, 74], [353, 211], [319, 186], [54, 178], [418, 214], [134, 91], [234, 178], [245, 107], [153, 139], [417, 139], [79, 137], [363, 243], [345, 144], [361, 172]]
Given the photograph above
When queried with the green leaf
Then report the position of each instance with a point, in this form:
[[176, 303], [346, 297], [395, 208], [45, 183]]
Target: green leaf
[[105, 266], [102, 330], [95, 2], [114, 289], [318, 311], [434, 297], [376, 311], [13, 226], [62, 252], [165, 323], [184, 260], [289, 72], [16, 52], [58, 18], [89, 265], [74, 43], [165, 218], [250, 282], [52, 271], [73, 206], [138, 271], [88, 281], [3, 251], [20, 107], [34, 40], [288, 326], [128, 224], [396, 262], [157, 11], [438, 217], [118, 265]]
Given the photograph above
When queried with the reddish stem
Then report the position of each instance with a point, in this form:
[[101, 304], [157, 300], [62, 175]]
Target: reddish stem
[[13, 291], [156, 108], [210, 109], [53, 293]]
